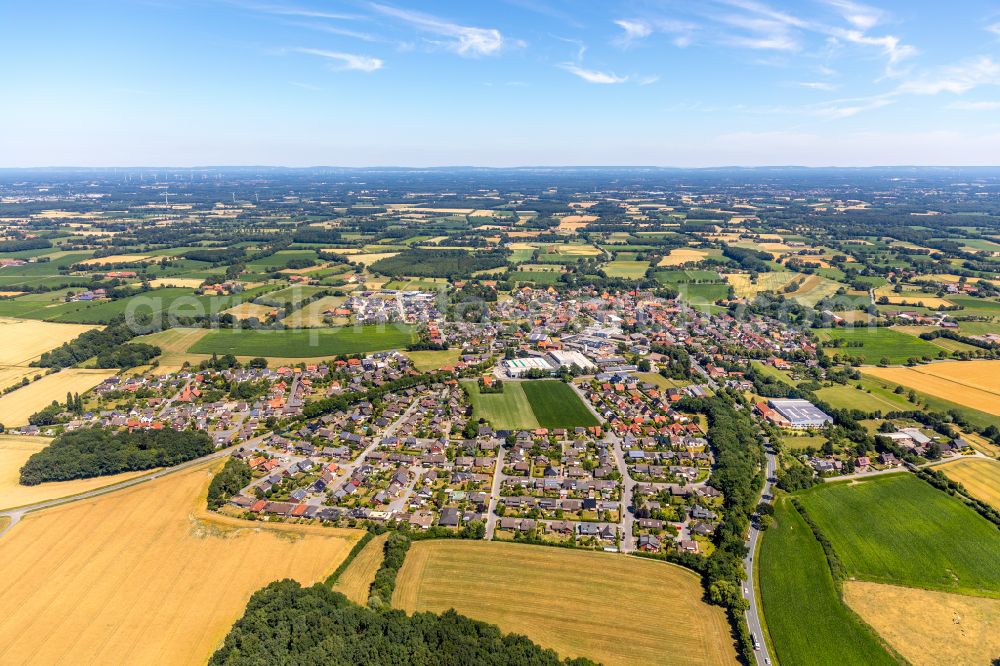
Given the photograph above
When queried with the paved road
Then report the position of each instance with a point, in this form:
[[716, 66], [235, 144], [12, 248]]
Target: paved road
[[491, 511], [583, 397], [753, 613], [704, 373], [626, 512], [18, 513]]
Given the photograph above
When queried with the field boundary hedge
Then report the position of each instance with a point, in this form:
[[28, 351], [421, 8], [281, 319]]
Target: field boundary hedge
[[358, 547]]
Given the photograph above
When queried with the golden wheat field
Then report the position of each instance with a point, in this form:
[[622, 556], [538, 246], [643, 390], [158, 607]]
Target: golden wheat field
[[15, 451], [681, 256], [189, 283], [609, 608], [247, 310], [118, 259], [981, 477], [929, 627], [371, 257], [311, 314], [574, 222], [145, 575], [772, 281], [174, 343], [16, 407], [24, 340], [975, 384], [358, 577]]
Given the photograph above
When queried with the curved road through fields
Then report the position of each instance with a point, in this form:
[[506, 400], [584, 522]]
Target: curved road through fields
[[16, 514]]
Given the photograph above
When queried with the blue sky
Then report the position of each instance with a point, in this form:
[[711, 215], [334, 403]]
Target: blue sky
[[499, 83]]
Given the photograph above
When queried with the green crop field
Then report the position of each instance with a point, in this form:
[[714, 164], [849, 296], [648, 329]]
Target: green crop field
[[899, 530], [530, 404], [703, 293], [877, 344], [538, 277], [556, 405], [683, 276], [850, 397], [629, 270], [807, 621], [305, 343]]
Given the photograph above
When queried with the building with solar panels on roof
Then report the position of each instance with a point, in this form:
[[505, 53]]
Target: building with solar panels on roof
[[801, 413]]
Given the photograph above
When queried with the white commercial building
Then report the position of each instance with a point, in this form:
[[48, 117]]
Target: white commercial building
[[518, 367], [567, 359]]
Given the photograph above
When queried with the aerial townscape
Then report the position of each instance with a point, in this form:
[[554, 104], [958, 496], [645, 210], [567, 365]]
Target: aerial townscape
[[758, 420], [502, 333]]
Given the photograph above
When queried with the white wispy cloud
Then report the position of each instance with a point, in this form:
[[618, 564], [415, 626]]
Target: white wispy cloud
[[862, 17], [592, 75], [303, 12], [752, 24], [335, 30], [461, 39], [891, 46], [839, 109], [955, 79], [834, 109], [816, 85], [346, 61], [305, 86], [635, 29], [975, 106], [994, 28]]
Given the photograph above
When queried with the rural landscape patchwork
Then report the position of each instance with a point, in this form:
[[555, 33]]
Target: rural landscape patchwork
[[688, 417], [500, 333]]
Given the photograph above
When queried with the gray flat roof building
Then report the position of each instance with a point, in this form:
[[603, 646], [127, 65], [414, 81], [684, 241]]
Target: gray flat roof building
[[801, 413]]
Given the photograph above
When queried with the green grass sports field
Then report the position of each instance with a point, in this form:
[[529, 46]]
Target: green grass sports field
[[530, 404]]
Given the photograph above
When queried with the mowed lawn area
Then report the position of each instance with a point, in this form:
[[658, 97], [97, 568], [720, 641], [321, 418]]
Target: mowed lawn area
[[898, 529], [980, 477], [805, 617], [875, 344], [530, 404], [609, 608], [305, 343]]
